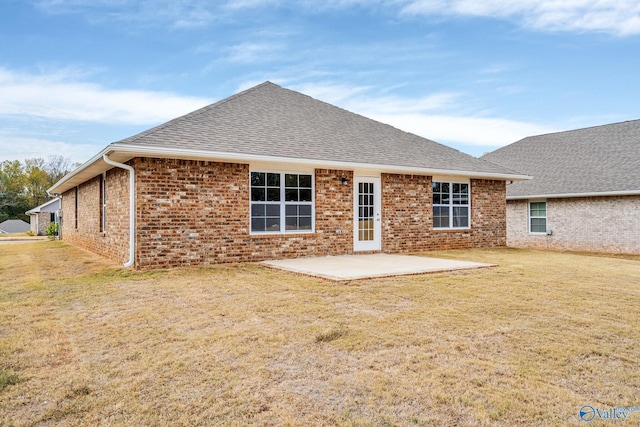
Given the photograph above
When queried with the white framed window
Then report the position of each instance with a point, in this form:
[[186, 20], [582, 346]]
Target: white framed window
[[538, 217], [451, 205], [282, 202]]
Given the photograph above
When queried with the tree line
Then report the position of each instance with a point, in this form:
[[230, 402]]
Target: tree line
[[23, 185]]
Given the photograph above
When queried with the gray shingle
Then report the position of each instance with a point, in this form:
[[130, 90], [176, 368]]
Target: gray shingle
[[591, 160], [273, 121], [14, 226]]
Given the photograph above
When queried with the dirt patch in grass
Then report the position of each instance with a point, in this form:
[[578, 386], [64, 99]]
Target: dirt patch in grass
[[526, 343]]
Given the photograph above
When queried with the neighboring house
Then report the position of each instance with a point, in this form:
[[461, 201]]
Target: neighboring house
[[14, 226], [585, 191], [272, 173], [40, 217]]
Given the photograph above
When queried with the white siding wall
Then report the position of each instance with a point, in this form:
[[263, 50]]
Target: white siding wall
[[598, 224]]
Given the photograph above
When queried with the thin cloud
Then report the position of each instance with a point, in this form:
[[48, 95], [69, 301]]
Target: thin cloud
[[619, 17], [473, 131], [426, 116], [55, 96], [16, 148], [251, 52], [183, 14]]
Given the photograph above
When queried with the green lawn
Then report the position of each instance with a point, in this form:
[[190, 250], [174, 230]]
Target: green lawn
[[530, 342]]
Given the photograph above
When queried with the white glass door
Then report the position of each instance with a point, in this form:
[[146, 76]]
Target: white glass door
[[366, 208]]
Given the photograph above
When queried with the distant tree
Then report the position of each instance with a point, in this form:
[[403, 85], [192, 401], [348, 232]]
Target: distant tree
[[12, 194], [57, 167], [36, 182], [23, 186]]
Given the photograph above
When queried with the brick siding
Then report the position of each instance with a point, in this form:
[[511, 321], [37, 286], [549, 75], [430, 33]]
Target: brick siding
[[197, 213], [407, 216], [597, 224], [114, 243], [39, 222]]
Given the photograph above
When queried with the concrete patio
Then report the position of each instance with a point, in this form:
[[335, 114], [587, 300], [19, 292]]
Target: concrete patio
[[352, 267]]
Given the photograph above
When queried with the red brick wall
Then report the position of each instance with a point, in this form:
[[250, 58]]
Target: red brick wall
[[114, 243], [407, 216], [197, 213]]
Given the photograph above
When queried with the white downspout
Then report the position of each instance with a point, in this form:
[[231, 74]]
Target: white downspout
[[132, 208]]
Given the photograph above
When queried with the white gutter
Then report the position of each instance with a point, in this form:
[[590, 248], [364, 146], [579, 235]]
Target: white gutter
[[132, 208], [126, 152], [572, 195], [146, 151]]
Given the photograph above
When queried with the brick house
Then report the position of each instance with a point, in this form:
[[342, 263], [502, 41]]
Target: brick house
[[41, 216], [585, 191], [272, 173]]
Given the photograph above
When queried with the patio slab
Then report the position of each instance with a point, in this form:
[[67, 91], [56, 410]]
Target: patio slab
[[351, 267]]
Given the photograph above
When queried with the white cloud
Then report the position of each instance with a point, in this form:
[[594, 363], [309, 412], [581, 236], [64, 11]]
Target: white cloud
[[620, 17], [141, 13], [18, 148], [57, 96], [476, 131], [428, 116], [252, 52]]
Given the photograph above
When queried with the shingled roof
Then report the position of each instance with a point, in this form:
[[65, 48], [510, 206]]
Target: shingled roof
[[14, 226], [271, 123], [601, 160]]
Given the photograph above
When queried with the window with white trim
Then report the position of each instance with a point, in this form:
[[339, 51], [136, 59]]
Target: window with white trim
[[537, 217], [450, 205], [281, 202]]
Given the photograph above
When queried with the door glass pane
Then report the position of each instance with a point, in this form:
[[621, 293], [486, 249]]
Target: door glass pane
[[365, 211]]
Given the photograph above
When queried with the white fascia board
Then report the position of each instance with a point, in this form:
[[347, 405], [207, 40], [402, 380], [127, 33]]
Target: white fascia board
[[137, 151], [58, 188], [40, 208], [124, 152], [573, 195]]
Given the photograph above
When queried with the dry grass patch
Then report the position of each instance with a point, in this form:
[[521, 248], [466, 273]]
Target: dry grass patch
[[525, 343]]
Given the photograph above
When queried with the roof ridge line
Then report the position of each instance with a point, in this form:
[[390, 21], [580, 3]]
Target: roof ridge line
[[583, 128]]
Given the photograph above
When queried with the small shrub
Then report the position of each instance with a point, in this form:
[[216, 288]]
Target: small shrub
[[7, 379], [52, 229], [30, 233]]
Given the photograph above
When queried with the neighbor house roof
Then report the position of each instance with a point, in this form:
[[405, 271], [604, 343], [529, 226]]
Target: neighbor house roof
[[50, 206], [272, 124], [595, 161], [14, 226]]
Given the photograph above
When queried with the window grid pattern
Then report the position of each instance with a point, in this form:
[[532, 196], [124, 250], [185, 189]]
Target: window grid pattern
[[365, 211], [538, 217], [281, 202], [450, 205]]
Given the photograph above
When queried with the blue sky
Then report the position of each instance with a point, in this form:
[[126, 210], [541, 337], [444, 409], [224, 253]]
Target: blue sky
[[76, 75]]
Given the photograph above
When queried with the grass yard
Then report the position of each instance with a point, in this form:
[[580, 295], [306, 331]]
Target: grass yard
[[83, 342]]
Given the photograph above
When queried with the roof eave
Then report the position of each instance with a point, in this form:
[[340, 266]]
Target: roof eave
[[86, 171], [38, 209], [124, 152], [574, 195]]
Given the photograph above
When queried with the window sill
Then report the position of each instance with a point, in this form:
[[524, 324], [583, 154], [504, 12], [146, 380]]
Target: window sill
[[452, 230]]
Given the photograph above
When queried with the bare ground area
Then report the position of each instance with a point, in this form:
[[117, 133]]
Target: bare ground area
[[530, 342]]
